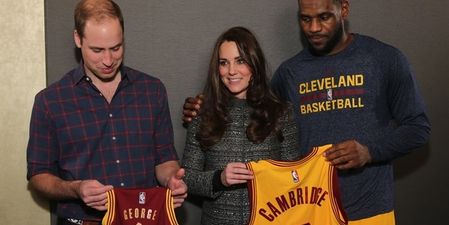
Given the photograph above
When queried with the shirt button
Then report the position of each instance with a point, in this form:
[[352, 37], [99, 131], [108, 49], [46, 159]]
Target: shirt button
[[118, 161], [114, 138], [122, 184], [87, 78], [110, 115]]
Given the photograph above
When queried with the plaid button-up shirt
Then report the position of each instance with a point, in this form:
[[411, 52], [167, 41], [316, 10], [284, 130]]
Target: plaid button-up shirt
[[76, 134]]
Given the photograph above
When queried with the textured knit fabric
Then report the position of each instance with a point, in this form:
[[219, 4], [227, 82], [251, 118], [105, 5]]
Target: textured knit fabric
[[231, 206], [365, 92], [76, 134]]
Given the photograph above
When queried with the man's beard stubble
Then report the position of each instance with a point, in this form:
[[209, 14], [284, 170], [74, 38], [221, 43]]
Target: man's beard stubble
[[330, 45]]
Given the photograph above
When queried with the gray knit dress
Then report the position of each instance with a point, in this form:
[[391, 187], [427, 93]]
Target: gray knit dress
[[232, 206]]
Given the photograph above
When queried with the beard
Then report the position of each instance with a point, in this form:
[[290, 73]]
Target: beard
[[329, 45]]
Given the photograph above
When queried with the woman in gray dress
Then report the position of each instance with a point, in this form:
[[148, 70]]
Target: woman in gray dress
[[241, 120]]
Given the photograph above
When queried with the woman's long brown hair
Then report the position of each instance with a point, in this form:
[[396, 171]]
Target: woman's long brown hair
[[266, 109]]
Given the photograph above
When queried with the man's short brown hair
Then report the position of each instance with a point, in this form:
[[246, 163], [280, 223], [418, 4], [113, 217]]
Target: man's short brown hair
[[96, 9]]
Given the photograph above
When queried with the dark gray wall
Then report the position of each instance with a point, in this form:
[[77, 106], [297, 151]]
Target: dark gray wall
[[172, 40]]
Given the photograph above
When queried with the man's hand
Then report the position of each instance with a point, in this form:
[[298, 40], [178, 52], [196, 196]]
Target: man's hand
[[191, 108], [178, 187], [93, 193], [348, 154], [235, 173]]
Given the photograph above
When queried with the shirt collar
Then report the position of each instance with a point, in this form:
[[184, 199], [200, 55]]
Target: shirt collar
[[79, 74]]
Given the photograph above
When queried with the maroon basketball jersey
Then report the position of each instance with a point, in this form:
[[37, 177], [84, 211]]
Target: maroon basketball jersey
[[149, 206]]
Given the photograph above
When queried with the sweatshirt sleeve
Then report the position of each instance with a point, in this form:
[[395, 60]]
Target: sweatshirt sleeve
[[408, 110], [199, 182]]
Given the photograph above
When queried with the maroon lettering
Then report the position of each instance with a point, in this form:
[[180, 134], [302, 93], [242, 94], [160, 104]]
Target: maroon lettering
[[315, 195], [300, 198], [282, 203], [273, 209], [306, 194], [322, 198], [291, 196], [263, 212]]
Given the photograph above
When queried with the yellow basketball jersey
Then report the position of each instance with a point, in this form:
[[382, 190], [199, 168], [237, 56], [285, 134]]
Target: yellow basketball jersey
[[303, 192]]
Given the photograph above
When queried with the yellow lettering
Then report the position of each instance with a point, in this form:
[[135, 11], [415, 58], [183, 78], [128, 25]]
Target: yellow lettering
[[302, 88], [333, 104], [130, 213], [139, 213], [154, 215], [309, 108], [307, 85], [342, 81], [340, 103], [303, 109], [319, 106], [359, 79], [313, 85], [125, 214], [149, 212], [329, 83], [360, 103], [327, 105], [350, 80], [142, 213], [347, 103], [136, 213], [326, 83]]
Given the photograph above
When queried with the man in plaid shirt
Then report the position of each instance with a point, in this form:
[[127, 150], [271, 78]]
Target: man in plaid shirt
[[103, 125]]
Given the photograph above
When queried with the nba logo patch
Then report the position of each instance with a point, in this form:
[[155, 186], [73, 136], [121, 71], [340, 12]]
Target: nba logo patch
[[142, 199], [329, 94], [295, 176]]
